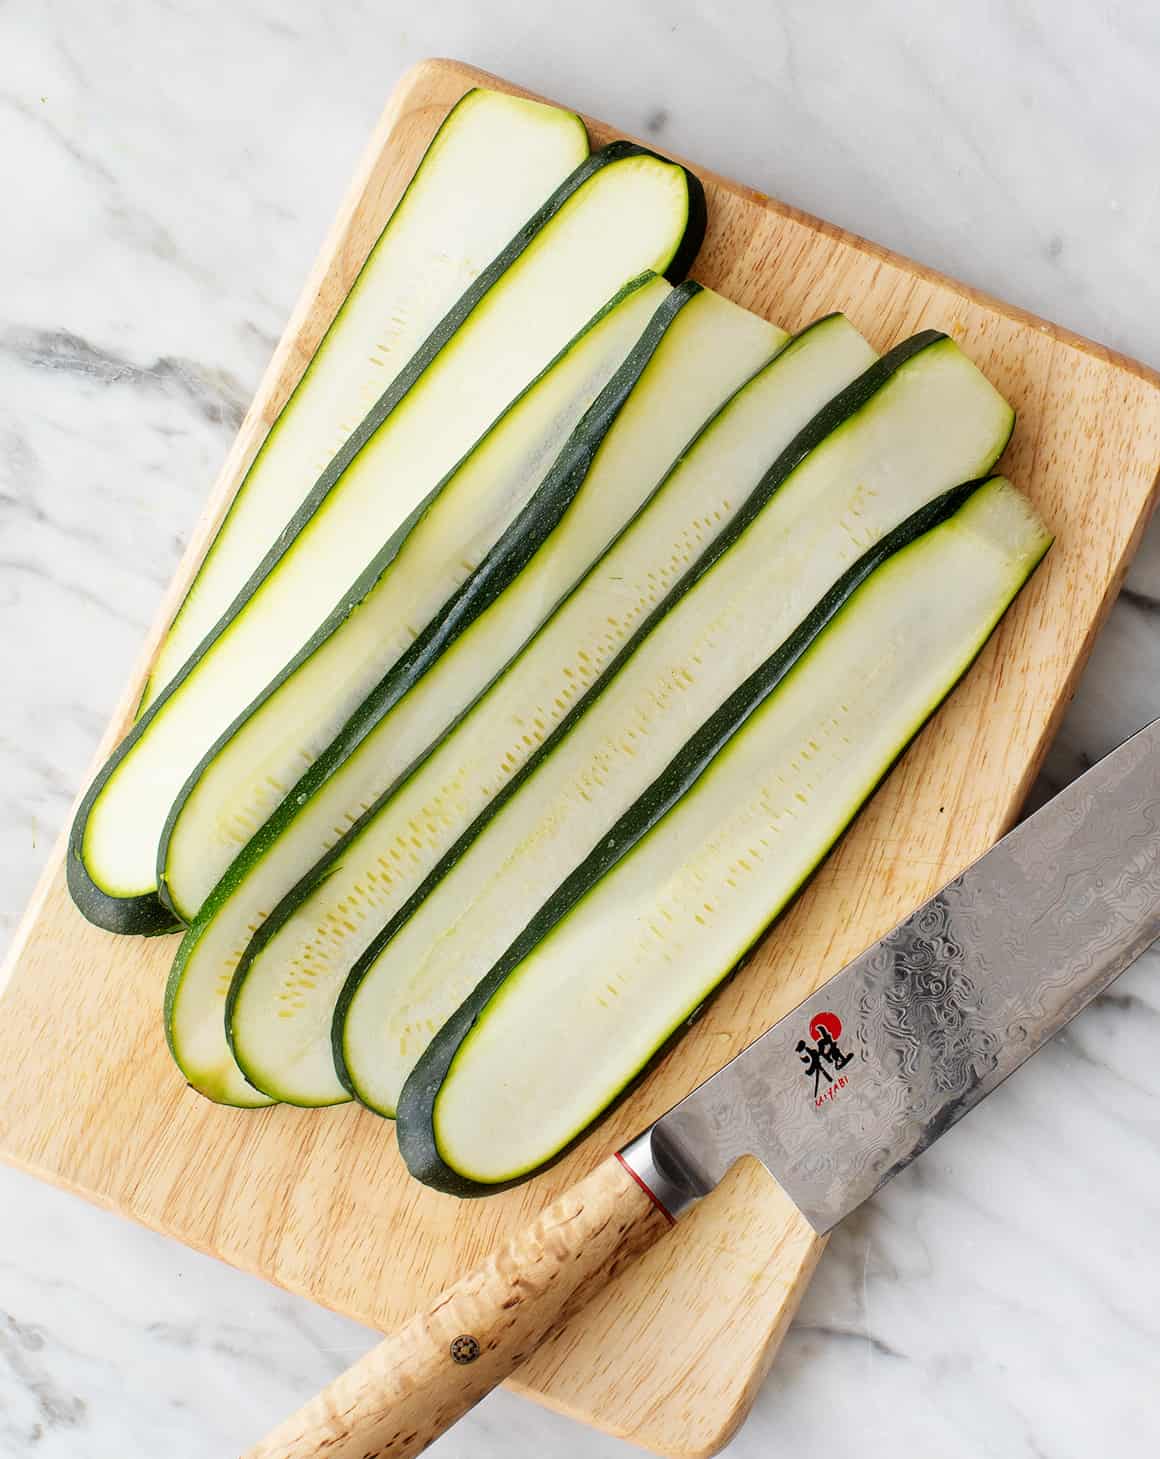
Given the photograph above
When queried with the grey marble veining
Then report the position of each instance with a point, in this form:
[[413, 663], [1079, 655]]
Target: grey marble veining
[[168, 172]]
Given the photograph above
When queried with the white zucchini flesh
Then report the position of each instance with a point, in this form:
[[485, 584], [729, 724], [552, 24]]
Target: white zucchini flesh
[[602, 990], [247, 774], [297, 972], [935, 422], [494, 160], [708, 352], [627, 218]]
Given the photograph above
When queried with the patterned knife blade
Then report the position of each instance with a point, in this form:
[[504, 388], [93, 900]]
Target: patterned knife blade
[[869, 1071]]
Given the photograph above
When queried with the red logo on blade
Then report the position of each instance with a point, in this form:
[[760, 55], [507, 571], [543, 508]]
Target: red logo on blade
[[825, 1030], [825, 1022]]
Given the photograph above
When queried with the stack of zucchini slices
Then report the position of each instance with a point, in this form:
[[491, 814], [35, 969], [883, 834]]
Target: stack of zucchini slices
[[566, 617]]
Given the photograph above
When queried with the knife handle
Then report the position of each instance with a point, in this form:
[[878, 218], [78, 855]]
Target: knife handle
[[418, 1382]]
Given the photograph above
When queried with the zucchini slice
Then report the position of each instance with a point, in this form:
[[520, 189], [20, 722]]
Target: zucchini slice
[[623, 212], [289, 979], [695, 352], [253, 765], [489, 167], [663, 907], [912, 425]]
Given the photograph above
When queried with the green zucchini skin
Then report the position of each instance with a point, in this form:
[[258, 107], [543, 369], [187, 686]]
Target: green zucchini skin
[[146, 914], [843, 406], [507, 557], [503, 563], [416, 1133], [140, 916]]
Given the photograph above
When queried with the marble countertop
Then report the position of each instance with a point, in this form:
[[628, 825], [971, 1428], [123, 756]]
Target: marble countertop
[[168, 172]]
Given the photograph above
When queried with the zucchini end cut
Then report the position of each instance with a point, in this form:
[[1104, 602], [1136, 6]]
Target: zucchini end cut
[[186, 1028], [133, 916], [688, 243]]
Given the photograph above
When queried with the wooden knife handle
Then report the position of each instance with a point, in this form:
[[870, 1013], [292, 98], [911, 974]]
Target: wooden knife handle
[[405, 1392]]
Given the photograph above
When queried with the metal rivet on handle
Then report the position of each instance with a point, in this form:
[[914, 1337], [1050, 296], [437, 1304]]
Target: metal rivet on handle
[[465, 1348]]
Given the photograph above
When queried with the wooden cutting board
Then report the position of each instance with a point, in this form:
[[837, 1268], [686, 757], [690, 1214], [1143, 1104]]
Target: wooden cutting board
[[673, 1352]]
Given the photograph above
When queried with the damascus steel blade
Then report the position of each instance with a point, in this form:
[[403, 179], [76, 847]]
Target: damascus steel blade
[[870, 1070]]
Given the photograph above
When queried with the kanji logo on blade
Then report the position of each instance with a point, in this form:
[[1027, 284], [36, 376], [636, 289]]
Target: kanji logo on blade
[[823, 1058]]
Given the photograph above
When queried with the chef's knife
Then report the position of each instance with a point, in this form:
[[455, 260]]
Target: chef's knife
[[834, 1099]]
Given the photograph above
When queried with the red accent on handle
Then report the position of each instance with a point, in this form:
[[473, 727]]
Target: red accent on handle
[[665, 1212]]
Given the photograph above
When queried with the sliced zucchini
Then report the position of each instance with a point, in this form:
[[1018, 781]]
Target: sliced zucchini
[[696, 351], [291, 975], [905, 431], [492, 163], [254, 764], [623, 212], [669, 901]]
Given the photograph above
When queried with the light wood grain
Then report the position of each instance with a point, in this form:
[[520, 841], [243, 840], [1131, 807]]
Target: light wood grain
[[421, 1379], [707, 1307], [319, 1201]]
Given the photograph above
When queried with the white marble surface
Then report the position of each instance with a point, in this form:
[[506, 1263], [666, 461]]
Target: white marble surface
[[168, 170]]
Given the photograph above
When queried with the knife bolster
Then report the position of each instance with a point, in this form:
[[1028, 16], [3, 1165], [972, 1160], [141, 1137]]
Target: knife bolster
[[666, 1179]]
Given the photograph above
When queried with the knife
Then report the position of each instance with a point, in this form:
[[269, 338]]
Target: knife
[[834, 1099]]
